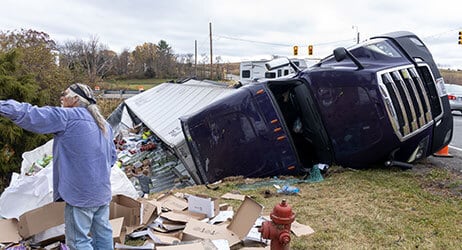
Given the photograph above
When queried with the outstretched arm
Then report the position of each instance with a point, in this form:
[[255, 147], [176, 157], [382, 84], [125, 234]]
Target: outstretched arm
[[43, 120]]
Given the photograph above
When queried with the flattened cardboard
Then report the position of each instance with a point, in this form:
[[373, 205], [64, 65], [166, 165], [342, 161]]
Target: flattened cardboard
[[201, 230], [41, 219], [231, 196], [173, 226], [161, 238], [124, 206], [173, 203], [195, 246], [203, 205], [245, 217], [300, 229], [255, 248], [118, 234], [9, 230], [177, 217], [192, 215]]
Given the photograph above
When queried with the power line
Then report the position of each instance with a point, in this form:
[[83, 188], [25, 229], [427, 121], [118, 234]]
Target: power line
[[251, 41], [279, 44], [441, 33]]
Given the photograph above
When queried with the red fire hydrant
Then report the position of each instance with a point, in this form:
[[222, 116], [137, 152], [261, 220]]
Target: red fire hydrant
[[278, 229]]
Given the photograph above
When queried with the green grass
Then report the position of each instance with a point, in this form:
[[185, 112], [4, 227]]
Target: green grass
[[369, 209]]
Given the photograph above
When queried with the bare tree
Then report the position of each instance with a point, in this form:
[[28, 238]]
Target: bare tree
[[122, 63], [96, 59], [90, 58], [185, 65]]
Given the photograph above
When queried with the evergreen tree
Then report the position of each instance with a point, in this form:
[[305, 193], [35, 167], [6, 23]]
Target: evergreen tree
[[13, 139]]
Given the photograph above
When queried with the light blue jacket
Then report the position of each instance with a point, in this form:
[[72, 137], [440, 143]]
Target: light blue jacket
[[82, 154]]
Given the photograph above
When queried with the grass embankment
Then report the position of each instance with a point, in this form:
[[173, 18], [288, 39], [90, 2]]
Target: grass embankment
[[451, 76], [370, 209]]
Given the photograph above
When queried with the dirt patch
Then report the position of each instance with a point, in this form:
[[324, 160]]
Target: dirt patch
[[439, 176]]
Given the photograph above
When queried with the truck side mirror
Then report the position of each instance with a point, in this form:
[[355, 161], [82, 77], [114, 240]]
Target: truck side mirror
[[341, 53]]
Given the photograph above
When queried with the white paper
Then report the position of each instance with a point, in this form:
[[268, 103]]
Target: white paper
[[221, 244], [222, 216]]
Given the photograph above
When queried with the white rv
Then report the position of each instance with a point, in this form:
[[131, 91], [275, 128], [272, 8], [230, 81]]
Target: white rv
[[254, 71]]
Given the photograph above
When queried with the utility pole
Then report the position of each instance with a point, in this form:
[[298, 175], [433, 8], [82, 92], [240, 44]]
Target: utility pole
[[195, 58], [211, 56], [357, 33]]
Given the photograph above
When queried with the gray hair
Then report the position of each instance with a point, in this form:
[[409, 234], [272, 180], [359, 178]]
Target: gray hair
[[88, 101]]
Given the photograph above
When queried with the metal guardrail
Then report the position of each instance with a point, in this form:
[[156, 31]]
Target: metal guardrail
[[116, 94]]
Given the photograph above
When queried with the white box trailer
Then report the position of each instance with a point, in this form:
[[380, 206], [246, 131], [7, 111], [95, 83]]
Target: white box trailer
[[254, 71], [160, 107]]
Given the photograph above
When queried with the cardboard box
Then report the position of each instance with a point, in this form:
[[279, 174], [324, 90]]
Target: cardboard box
[[149, 212], [124, 206], [118, 233], [9, 231], [245, 217], [41, 219], [203, 205], [236, 231]]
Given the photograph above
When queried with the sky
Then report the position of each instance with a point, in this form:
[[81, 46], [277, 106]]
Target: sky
[[241, 29]]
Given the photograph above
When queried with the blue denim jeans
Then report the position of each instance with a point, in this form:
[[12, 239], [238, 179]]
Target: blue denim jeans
[[82, 222]]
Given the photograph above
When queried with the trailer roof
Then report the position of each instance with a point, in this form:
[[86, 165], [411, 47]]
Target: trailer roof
[[160, 107]]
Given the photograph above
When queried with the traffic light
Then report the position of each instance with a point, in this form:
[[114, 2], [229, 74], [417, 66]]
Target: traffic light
[[295, 50], [310, 50], [460, 37]]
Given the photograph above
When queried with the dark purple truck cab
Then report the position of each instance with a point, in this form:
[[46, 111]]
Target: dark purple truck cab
[[378, 102]]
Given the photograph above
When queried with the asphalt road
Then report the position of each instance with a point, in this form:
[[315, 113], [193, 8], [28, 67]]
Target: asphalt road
[[457, 135], [455, 149]]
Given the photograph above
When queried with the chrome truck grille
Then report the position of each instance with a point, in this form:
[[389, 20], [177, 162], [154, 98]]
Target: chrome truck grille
[[407, 93]]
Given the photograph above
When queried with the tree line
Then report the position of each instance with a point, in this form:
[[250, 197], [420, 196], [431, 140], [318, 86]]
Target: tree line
[[35, 69]]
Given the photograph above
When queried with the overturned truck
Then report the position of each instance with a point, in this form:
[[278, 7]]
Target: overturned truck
[[379, 102]]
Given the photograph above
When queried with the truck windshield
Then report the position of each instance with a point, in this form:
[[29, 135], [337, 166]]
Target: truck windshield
[[383, 47], [377, 49]]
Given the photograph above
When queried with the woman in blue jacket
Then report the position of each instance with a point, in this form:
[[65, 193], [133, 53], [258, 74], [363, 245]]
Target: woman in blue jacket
[[83, 154]]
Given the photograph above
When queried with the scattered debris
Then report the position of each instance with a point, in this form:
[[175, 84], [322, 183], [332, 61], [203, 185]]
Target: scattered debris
[[168, 222]]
